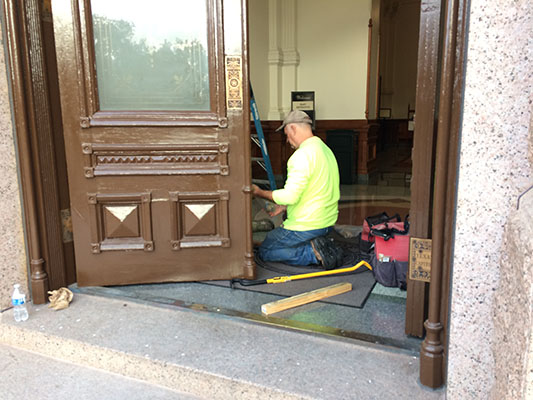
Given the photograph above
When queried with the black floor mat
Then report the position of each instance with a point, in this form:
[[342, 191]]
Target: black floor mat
[[362, 279]]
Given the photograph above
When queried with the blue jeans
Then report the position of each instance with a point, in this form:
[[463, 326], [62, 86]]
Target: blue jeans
[[291, 247]]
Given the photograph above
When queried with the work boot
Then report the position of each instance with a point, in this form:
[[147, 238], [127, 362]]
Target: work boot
[[324, 252], [339, 254], [263, 225], [335, 250]]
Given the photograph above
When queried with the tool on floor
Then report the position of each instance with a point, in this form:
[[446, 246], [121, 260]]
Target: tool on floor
[[259, 140], [283, 279], [305, 298]]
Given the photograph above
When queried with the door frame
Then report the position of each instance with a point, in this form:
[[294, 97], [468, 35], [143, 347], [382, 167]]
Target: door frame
[[448, 118], [26, 70], [442, 86]]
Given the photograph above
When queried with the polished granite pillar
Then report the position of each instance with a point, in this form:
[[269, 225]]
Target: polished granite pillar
[[13, 266], [494, 171]]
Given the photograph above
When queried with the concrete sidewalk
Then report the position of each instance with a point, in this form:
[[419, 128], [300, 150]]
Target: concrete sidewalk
[[204, 355]]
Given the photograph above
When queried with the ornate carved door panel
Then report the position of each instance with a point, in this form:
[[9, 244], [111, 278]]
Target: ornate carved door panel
[[156, 126]]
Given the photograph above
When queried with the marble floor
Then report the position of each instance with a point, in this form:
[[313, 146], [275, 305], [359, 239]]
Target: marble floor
[[388, 189], [360, 201]]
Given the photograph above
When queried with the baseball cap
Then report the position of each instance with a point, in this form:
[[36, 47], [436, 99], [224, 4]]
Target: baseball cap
[[295, 117]]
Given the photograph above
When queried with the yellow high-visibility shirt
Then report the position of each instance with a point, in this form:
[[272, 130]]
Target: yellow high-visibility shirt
[[311, 192]]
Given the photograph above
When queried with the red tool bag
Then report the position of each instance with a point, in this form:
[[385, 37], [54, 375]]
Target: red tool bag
[[391, 253], [392, 240], [365, 244]]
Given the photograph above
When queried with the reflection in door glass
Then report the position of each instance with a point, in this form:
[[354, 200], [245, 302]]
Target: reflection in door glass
[[151, 55]]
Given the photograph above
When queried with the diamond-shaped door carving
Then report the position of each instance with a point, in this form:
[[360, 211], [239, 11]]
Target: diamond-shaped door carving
[[120, 222], [199, 219]]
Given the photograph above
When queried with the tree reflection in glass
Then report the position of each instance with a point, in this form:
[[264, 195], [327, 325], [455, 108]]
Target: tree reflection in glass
[[151, 57]]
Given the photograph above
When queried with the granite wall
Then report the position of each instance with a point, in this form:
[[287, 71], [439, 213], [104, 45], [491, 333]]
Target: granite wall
[[495, 168], [513, 311], [13, 266]]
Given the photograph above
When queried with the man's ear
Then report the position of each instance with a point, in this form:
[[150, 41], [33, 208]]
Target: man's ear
[[290, 129]]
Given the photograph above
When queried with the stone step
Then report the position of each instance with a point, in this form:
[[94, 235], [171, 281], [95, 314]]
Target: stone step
[[25, 375], [212, 356]]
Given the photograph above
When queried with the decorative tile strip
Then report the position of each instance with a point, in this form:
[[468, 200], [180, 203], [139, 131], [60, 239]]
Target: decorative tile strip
[[234, 82]]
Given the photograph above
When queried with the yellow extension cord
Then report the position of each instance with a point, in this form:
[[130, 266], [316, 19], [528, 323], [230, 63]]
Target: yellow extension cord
[[282, 279]]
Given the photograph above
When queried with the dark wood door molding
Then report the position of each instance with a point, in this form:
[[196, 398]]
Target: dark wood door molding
[[451, 78], [32, 128], [44, 133], [423, 153]]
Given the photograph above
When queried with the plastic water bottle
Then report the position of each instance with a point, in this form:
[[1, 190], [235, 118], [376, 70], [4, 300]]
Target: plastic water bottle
[[20, 312]]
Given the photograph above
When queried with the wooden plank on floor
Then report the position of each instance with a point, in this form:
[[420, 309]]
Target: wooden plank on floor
[[304, 298]]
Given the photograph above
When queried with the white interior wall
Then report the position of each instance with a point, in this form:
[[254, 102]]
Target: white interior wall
[[332, 39], [259, 71], [323, 43]]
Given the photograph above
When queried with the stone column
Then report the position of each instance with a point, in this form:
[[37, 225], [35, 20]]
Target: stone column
[[291, 57], [283, 57], [275, 60], [494, 170]]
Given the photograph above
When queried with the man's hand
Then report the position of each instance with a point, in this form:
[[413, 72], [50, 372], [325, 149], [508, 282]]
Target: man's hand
[[264, 194], [278, 210], [255, 190]]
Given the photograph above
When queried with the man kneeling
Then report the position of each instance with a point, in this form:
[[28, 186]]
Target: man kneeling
[[310, 197]]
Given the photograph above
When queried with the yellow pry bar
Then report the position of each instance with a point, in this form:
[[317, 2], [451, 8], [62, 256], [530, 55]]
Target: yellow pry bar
[[282, 279]]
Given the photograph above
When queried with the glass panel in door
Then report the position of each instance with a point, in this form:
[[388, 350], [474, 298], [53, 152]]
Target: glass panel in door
[[151, 56]]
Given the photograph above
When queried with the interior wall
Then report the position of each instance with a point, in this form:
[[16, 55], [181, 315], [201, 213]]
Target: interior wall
[[332, 41], [311, 45], [258, 45]]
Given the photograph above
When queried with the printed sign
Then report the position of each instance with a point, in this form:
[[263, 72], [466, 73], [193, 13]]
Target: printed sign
[[302, 105], [420, 260], [304, 101]]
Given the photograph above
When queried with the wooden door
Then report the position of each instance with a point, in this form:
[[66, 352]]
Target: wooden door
[[156, 125]]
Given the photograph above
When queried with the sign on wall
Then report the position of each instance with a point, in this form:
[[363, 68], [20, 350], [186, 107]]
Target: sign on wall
[[304, 101]]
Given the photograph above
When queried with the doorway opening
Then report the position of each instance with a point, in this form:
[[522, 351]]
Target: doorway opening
[[360, 61], [375, 118], [375, 126]]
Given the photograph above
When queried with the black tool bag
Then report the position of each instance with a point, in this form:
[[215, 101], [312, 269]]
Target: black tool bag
[[390, 273]]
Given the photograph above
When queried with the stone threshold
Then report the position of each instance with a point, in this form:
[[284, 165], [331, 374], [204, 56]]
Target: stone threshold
[[213, 356]]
